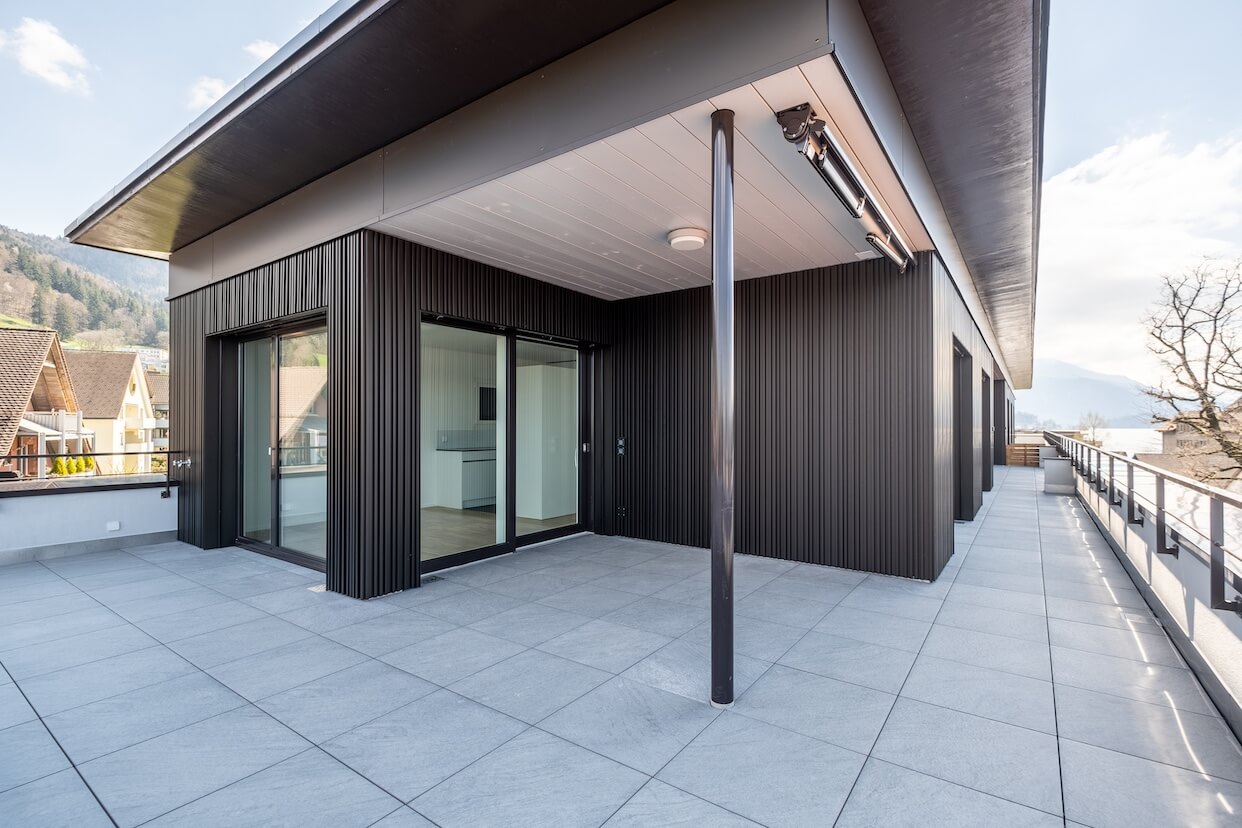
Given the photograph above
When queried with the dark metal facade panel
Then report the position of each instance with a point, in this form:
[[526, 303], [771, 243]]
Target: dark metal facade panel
[[834, 418]]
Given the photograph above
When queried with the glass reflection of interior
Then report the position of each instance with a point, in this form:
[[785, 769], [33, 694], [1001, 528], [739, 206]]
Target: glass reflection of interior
[[462, 440], [302, 440], [547, 437]]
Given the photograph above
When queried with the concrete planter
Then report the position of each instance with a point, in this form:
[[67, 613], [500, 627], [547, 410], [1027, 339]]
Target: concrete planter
[[1058, 475]]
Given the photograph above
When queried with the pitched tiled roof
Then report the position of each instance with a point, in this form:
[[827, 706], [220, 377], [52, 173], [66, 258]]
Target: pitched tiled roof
[[157, 387], [100, 379], [22, 354], [300, 388]]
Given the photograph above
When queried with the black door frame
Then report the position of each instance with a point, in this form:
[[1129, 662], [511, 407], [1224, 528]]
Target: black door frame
[[988, 436], [273, 335], [963, 433], [586, 376]]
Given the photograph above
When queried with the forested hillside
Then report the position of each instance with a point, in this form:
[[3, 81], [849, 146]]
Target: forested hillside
[[41, 286]]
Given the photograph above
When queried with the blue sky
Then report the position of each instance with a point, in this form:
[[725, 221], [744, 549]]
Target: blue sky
[[1143, 164]]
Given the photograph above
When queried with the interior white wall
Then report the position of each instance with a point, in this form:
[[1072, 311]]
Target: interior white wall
[[450, 400], [547, 441]]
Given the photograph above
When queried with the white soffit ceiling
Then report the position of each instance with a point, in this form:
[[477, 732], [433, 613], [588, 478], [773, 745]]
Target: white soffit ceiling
[[596, 219]]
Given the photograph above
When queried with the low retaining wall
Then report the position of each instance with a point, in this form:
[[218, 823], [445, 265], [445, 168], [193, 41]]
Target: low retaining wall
[[53, 523]]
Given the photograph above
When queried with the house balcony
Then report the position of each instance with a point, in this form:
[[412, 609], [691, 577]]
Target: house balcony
[[140, 423], [1030, 684]]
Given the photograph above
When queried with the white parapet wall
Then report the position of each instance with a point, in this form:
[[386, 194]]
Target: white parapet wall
[[60, 522]]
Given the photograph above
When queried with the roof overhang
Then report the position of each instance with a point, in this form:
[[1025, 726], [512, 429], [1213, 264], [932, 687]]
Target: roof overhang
[[362, 75], [970, 80]]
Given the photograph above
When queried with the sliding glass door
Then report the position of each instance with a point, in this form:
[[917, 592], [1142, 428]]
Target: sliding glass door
[[284, 442], [500, 443]]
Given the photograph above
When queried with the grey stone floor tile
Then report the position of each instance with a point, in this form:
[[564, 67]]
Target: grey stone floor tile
[[782, 609], [33, 591], [895, 797], [336, 614], [1005, 599], [25, 574], [1149, 648], [605, 646], [1030, 584], [888, 602], [14, 709], [142, 609], [875, 627], [664, 617], [847, 715], [1106, 789], [292, 598], [992, 694], [632, 723], [92, 563], [45, 608], [1114, 595], [531, 586], [1162, 734], [149, 588], [530, 624], [995, 621], [121, 578], [404, 817], [231, 643], [847, 659], [591, 599], [764, 773], [684, 668], [28, 752], [227, 572], [999, 759], [1002, 564], [108, 725], [531, 685], [75, 650], [996, 652], [265, 583], [625, 556], [1121, 618], [482, 573], [178, 625], [469, 606], [44, 630], [188, 763], [848, 577], [310, 789], [431, 590], [664, 805], [585, 569], [454, 655], [273, 671], [1153, 683], [72, 687], [796, 584], [420, 745], [390, 632], [677, 566], [641, 583], [337, 703], [535, 779], [54, 801], [909, 586], [762, 640]]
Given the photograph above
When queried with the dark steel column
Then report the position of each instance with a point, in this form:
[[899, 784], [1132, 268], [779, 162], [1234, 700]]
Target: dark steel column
[[722, 395]]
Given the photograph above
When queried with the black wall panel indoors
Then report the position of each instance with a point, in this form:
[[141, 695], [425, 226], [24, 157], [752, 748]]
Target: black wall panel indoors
[[843, 386]]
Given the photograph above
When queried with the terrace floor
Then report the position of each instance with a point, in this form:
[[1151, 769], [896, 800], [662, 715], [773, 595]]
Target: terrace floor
[[566, 686]]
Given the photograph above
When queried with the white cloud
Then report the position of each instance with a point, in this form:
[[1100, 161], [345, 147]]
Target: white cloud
[[261, 49], [1111, 226], [42, 52], [205, 92]]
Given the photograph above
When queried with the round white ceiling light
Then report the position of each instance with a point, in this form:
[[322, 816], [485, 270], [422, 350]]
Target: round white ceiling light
[[687, 238]]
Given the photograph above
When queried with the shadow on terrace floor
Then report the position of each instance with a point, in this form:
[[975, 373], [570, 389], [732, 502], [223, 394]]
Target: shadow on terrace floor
[[565, 686]]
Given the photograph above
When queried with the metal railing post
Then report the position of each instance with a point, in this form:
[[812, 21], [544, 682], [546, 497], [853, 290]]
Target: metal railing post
[[1113, 498], [1133, 515], [1218, 570], [1099, 471], [1162, 522]]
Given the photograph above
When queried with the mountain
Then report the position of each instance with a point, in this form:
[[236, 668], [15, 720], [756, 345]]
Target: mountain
[[1062, 393], [94, 298]]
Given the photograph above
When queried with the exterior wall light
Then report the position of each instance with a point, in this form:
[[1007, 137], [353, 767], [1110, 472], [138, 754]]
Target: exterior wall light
[[815, 141], [687, 238]]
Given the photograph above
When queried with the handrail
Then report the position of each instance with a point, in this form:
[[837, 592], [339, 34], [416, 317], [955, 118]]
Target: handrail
[[43, 476], [1088, 461]]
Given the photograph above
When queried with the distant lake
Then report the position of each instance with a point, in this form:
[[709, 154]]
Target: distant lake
[[1130, 440]]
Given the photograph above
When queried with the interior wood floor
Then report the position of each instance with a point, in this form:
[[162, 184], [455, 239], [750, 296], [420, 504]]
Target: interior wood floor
[[448, 531]]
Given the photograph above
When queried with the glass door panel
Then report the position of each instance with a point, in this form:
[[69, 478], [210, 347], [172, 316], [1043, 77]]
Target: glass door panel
[[547, 423], [256, 440], [462, 441], [302, 438]]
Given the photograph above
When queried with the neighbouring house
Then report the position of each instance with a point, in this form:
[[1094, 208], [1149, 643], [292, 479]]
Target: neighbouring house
[[39, 412], [506, 272], [157, 387], [1187, 451], [112, 393]]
